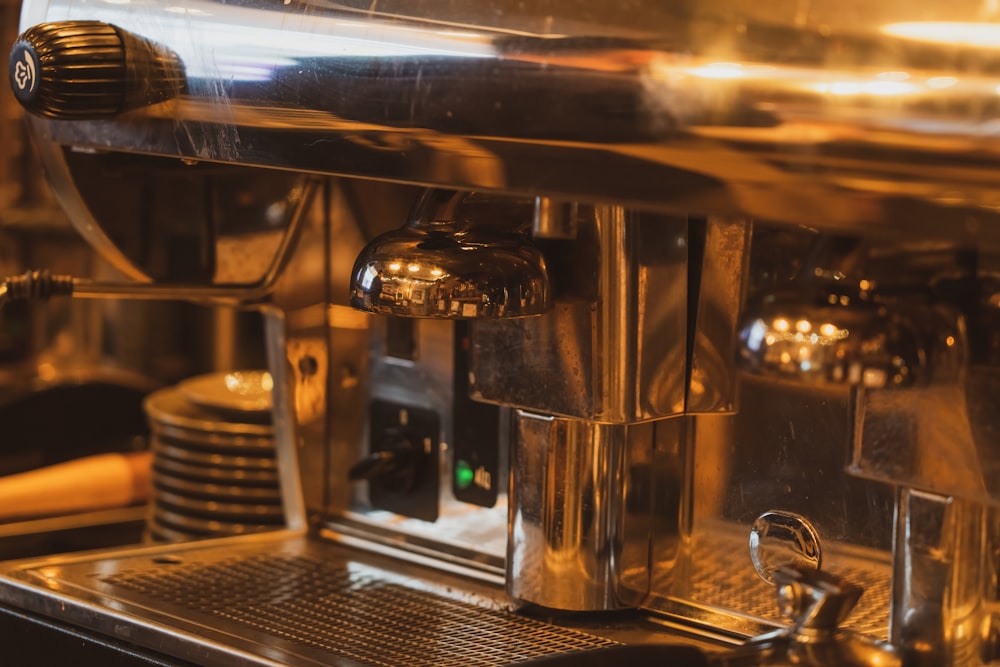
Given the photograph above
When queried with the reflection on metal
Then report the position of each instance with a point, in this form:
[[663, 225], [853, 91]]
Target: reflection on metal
[[613, 347], [841, 335], [817, 604], [555, 219], [718, 296], [943, 585], [904, 433], [642, 149], [447, 263], [281, 599], [576, 497], [714, 588], [717, 107], [779, 539], [913, 341]]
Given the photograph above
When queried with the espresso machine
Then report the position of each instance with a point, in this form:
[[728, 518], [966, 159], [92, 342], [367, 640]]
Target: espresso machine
[[663, 332]]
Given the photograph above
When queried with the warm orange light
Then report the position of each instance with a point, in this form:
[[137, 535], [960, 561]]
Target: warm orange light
[[952, 33]]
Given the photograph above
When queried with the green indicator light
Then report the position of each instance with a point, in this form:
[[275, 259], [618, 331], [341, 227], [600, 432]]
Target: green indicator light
[[464, 475]]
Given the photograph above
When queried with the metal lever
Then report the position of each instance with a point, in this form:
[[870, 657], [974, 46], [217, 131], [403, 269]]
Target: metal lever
[[816, 603], [813, 600], [393, 463], [786, 551]]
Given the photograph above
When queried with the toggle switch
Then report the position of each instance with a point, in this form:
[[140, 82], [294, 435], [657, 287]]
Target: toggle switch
[[402, 464]]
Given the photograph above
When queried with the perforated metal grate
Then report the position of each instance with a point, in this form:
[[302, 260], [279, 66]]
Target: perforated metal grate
[[353, 613], [720, 575]]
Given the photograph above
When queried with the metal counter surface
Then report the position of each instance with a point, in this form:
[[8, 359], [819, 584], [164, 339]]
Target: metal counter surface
[[283, 599]]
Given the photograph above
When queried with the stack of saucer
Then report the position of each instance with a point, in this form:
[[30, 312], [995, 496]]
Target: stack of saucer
[[214, 467]]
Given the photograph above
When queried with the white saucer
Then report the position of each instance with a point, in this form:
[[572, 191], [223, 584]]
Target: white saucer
[[237, 391]]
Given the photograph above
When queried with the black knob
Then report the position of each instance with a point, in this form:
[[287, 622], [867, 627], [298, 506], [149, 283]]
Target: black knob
[[84, 70], [392, 463]]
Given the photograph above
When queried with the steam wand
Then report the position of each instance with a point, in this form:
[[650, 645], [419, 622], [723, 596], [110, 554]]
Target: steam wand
[[41, 285], [35, 286]]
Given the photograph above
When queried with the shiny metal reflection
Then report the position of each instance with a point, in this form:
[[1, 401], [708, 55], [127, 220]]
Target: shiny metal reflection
[[578, 530], [862, 113], [555, 219], [449, 263], [779, 539], [817, 604], [833, 334]]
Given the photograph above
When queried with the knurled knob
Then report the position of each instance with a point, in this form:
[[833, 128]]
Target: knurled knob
[[79, 70]]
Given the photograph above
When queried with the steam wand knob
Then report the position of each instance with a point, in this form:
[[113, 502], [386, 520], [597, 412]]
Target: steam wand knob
[[87, 70]]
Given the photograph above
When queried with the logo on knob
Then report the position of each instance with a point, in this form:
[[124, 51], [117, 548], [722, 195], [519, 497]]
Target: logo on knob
[[24, 74]]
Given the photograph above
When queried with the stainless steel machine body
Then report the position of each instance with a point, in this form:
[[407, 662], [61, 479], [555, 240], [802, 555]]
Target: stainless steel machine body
[[662, 300]]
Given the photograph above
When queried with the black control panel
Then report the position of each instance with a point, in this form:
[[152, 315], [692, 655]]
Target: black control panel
[[476, 426], [402, 462]]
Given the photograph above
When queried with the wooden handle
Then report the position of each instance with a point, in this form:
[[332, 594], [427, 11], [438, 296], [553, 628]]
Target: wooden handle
[[90, 483]]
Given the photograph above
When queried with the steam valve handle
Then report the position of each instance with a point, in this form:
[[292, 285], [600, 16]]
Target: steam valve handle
[[392, 464], [88, 70]]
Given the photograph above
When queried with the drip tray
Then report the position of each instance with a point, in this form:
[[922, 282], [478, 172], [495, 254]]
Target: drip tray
[[277, 599]]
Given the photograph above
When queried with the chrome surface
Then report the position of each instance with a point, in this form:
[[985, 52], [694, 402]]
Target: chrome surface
[[919, 371], [317, 353], [720, 269], [720, 107], [814, 601], [689, 172], [711, 586], [835, 333], [780, 539], [583, 550], [554, 219], [902, 436], [448, 262], [944, 581], [613, 347], [285, 600], [817, 604]]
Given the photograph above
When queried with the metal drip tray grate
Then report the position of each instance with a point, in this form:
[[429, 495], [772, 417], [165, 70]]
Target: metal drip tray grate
[[317, 605], [369, 625], [348, 612], [742, 590], [717, 574], [234, 582]]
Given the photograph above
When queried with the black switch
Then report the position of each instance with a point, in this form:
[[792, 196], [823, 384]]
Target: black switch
[[402, 462]]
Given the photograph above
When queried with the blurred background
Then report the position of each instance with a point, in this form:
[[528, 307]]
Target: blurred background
[[74, 373]]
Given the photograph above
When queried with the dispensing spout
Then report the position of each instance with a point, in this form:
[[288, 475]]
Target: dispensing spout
[[454, 259]]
